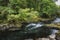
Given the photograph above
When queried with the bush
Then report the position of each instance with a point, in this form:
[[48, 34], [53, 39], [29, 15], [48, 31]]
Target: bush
[[28, 15], [13, 19]]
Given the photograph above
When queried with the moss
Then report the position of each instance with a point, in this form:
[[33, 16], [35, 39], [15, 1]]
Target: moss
[[57, 25]]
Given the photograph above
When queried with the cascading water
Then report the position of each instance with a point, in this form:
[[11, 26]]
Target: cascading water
[[57, 20], [54, 31], [38, 29], [34, 26], [53, 34]]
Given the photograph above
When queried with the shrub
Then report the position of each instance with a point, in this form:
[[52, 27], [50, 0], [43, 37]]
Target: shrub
[[28, 15]]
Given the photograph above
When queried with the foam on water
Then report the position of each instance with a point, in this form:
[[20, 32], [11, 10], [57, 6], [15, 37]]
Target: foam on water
[[37, 26], [54, 31], [57, 20], [53, 34], [34, 26]]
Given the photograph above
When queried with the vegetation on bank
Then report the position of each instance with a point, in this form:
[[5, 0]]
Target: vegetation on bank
[[19, 11], [56, 25]]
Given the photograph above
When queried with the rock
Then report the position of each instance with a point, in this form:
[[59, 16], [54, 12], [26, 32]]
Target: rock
[[28, 39], [45, 39]]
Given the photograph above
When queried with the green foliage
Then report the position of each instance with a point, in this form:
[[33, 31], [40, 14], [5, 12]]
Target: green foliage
[[58, 11], [26, 10], [12, 18], [28, 15], [18, 3], [45, 7], [3, 13], [48, 8], [4, 2]]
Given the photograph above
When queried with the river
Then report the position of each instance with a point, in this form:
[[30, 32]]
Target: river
[[31, 31]]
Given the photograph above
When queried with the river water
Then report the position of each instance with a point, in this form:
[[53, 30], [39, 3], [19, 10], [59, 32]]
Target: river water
[[37, 29]]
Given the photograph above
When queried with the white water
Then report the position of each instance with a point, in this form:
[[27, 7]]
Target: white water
[[34, 26], [57, 20], [54, 31], [53, 34]]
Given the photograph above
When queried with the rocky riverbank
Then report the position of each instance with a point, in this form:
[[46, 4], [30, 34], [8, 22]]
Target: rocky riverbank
[[13, 32]]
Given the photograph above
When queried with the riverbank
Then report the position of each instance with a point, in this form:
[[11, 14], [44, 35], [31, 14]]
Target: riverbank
[[17, 26]]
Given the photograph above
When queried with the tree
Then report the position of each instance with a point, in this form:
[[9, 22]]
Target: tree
[[48, 8], [4, 2]]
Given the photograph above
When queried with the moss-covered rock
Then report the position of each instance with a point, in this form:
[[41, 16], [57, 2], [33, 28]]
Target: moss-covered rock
[[56, 25]]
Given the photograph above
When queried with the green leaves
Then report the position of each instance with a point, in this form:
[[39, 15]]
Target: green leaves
[[28, 15], [26, 10], [4, 2], [18, 3], [24, 15], [48, 7]]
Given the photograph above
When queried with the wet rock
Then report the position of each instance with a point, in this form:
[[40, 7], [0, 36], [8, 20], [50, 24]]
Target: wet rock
[[11, 27], [28, 39], [58, 36]]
